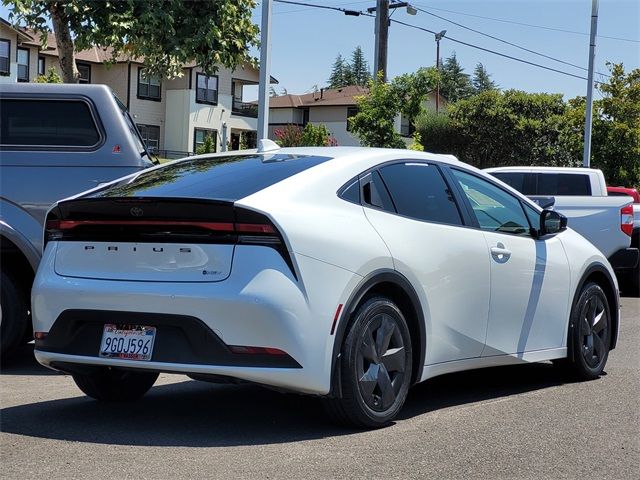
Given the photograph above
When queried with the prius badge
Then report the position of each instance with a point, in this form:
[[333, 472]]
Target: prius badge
[[137, 212]]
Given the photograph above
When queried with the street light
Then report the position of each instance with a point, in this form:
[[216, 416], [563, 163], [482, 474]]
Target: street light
[[439, 36]]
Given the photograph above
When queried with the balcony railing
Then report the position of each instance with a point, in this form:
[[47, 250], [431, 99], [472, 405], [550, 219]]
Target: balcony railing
[[245, 109]]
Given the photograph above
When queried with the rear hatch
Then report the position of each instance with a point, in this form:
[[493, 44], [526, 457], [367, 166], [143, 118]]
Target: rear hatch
[[176, 223], [151, 239]]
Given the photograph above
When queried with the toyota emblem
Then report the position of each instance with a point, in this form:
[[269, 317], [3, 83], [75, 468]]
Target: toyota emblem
[[137, 212]]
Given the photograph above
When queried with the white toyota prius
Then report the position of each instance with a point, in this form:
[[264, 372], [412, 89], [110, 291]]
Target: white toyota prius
[[345, 273]]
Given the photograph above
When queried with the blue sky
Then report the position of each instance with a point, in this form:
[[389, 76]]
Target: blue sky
[[305, 41]]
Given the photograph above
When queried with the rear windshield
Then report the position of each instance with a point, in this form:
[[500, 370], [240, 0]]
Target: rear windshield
[[227, 178]]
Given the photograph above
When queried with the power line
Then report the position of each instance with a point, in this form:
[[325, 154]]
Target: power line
[[544, 27], [417, 27], [505, 41]]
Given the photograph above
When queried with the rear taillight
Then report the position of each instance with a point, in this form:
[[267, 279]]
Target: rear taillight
[[626, 219]]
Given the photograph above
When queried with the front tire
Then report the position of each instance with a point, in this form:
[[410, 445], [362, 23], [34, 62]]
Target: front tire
[[111, 385], [590, 333], [375, 366]]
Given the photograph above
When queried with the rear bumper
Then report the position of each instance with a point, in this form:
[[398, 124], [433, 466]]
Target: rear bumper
[[625, 260], [180, 339], [260, 304]]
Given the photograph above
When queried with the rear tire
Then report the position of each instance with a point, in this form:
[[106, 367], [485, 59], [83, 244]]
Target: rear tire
[[375, 366], [111, 385], [14, 313], [590, 333]]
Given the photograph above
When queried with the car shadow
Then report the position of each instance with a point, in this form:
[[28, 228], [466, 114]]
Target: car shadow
[[22, 362], [197, 414]]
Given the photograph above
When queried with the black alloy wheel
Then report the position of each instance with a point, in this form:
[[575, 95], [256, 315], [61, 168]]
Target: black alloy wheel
[[375, 366], [380, 364], [591, 332]]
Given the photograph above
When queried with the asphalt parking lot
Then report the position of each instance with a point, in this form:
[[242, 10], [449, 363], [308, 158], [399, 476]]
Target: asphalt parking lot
[[510, 422]]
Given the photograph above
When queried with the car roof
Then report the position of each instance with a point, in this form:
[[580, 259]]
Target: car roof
[[55, 88], [542, 169]]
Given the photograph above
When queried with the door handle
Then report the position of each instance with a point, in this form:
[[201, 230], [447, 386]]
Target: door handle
[[500, 252]]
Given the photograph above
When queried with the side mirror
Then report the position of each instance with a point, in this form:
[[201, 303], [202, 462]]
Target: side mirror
[[552, 222]]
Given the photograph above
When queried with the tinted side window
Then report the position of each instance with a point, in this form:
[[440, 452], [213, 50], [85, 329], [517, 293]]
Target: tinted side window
[[419, 191], [522, 181], [495, 209], [563, 184], [65, 123]]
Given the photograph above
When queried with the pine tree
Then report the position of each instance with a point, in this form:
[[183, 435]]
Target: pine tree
[[337, 77], [360, 74], [454, 83], [482, 80]]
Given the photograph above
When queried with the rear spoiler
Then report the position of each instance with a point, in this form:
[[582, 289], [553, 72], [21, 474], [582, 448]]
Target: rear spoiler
[[542, 201]]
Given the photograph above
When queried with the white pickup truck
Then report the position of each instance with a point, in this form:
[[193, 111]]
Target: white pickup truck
[[581, 195]]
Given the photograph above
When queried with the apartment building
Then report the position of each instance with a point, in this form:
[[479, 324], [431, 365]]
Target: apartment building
[[174, 116]]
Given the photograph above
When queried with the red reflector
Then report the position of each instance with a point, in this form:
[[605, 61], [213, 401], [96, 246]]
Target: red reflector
[[335, 319], [256, 350], [626, 219], [254, 228], [40, 335]]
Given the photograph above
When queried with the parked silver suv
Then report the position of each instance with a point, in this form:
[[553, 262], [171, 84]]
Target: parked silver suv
[[55, 141]]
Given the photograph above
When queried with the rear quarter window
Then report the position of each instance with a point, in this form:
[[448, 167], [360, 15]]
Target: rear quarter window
[[47, 123]]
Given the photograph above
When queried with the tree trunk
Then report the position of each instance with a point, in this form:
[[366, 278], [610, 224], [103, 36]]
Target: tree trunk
[[64, 42]]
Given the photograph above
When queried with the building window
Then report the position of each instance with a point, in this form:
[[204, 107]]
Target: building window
[[305, 116], [41, 68], [199, 136], [151, 136], [5, 61], [148, 86], [351, 111], [84, 73], [206, 89], [23, 64]]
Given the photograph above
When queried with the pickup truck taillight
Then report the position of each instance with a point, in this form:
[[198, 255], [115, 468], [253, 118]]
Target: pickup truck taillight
[[626, 219]]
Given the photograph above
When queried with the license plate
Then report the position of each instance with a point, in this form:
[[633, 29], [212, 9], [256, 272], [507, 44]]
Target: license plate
[[130, 342]]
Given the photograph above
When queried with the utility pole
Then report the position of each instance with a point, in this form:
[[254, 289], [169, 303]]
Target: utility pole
[[265, 70], [382, 39], [382, 32], [586, 156], [439, 37]]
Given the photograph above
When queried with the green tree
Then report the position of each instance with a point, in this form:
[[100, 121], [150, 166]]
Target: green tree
[[375, 120], [165, 33], [481, 80], [359, 68], [411, 90], [615, 141], [339, 73], [50, 77], [497, 128], [454, 83], [437, 133]]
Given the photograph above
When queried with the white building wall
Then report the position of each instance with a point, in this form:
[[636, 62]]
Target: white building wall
[[177, 124], [335, 119]]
